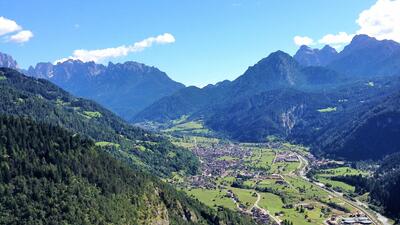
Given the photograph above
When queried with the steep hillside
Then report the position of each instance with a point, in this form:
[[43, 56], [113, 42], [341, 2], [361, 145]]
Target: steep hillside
[[372, 133], [51, 176], [275, 112], [384, 186], [123, 88], [43, 101]]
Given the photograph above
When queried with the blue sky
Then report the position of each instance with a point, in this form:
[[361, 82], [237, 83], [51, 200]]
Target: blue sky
[[214, 39]]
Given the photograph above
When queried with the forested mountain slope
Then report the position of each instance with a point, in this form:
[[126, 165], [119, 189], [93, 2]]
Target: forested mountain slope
[[51, 176], [275, 72], [386, 186], [43, 101]]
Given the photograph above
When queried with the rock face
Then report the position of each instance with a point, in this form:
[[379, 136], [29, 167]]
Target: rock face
[[124, 88], [7, 61], [307, 56]]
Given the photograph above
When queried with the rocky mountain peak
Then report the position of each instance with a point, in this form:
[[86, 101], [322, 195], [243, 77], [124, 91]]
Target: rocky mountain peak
[[7, 61]]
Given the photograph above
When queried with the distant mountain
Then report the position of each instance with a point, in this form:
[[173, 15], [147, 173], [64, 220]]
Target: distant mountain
[[367, 57], [307, 56], [314, 105], [124, 88], [43, 101], [7, 61], [52, 176], [277, 71]]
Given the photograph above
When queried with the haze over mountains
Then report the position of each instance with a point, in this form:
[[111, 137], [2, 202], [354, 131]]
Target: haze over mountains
[[364, 56], [124, 88]]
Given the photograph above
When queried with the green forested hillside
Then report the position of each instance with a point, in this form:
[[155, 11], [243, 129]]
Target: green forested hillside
[[51, 176], [43, 101], [386, 186]]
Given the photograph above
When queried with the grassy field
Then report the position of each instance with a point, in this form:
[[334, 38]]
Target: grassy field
[[190, 127], [246, 197], [284, 167], [275, 206], [326, 110], [212, 198], [262, 158], [336, 185], [92, 114], [324, 176], [106, 144], [191, 141], [341, 171], [227, 158]]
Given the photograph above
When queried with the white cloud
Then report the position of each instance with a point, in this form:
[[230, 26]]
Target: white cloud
[[102, 54], [336, 39], [303, 40], [382, 20], [13, 31], [22, 36], [8, 26]]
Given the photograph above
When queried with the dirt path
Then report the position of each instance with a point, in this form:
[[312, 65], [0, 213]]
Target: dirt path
[[255, 205]]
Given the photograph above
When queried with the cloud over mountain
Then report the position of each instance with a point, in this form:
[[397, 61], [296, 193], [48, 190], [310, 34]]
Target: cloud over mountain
[[303, 40], [381, 21], [99, 55], [336, 40]]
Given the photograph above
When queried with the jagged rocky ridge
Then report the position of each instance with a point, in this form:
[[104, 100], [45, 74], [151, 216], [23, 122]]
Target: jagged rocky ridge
[[124, 88]]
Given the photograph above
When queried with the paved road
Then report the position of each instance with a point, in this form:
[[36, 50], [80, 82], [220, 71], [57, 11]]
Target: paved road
[[375, 217]]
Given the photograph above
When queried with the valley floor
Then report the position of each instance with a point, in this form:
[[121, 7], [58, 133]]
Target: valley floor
[[268, 181]]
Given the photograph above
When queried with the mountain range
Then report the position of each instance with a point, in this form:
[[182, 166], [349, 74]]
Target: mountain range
[[124, 88], [319, 97], [299, 98], [364, 57], [68, 160]]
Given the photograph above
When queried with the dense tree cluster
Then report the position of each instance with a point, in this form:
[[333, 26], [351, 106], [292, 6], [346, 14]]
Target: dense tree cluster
[[385, 189], [51, 176]]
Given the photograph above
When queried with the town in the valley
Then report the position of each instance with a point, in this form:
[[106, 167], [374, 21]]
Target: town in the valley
[[268, 182]]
